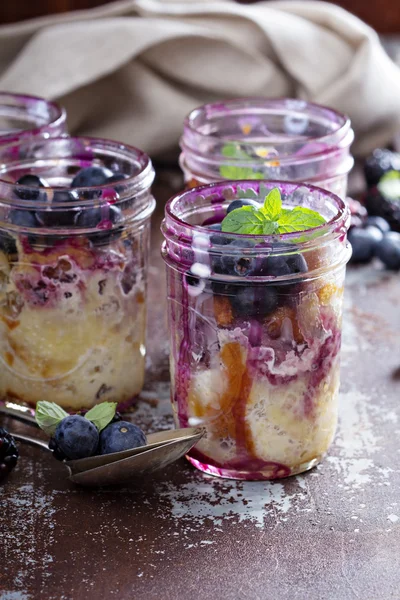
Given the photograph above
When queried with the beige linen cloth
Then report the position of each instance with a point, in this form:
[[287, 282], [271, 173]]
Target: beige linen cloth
[[132, 70]]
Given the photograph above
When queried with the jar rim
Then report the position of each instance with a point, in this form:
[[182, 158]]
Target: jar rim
[[277, 106], [133, 185], [335, 223], [56, 119]]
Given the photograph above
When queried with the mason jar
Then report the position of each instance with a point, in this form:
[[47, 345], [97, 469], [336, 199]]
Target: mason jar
[[255, 330], [73, 271], [24, 116], [260, 138]]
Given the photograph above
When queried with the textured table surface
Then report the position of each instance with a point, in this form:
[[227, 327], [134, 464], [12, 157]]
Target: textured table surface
[[332, 534]]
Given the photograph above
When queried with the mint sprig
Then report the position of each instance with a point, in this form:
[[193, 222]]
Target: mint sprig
[[102, 414], [48, 415], [232, 150], [271, 218]]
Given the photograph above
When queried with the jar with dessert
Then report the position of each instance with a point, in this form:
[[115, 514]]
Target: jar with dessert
[[255, 274], [260, 138], [74, 243]]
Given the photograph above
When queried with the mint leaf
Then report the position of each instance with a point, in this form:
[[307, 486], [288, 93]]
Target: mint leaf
[[48, 415], [231, 172], [299, 219], [102, 414], [272, 207], [389, 185], [271, 218], [232, 150], [246, 220], [270, 227]]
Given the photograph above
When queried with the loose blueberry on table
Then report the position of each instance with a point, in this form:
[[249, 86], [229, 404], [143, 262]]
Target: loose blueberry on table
[[376, 222]]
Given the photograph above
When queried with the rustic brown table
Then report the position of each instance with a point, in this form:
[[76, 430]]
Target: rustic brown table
[[332, 534]]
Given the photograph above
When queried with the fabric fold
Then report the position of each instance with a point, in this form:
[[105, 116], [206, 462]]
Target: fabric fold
[[133, 69]]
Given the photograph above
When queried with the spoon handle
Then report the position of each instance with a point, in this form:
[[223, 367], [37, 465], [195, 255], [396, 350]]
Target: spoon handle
[[30, 440], [15, 413]]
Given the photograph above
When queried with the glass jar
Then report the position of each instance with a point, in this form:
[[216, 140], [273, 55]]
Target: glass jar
[[26, 116], [255, 328], [259, 138], [73, 271]]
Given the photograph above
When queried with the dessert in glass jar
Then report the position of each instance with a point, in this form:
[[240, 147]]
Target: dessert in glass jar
[[255, 311], [74, 241], [24, 116], [260, 138]]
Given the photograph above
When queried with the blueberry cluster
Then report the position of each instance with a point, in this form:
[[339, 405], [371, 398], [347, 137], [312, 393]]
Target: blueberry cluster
[[102, 217], [77, 437], [378, 235], [378, 164], [256, 300], [8, 453], [382, 198]]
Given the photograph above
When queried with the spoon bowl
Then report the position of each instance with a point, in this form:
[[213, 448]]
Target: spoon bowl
[[138, 465], [111, 469], [154, 440]]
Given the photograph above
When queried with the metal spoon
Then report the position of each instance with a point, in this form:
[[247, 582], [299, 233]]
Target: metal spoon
[[79, 465], [145, 460]]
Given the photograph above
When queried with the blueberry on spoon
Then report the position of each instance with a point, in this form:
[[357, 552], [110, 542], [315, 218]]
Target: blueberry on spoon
[[120, 436], [76, 437]]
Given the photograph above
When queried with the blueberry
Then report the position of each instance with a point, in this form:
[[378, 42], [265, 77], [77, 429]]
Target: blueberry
[[7, 243], [281, 265], [234, 262], [385, 202], [380, 162], [364, 243], [120, 436], [297, 263], [57, 453], [93, 217], [375, 234], [255, 300], [220, 240], [116, 177], [388, 250], [76, 437], [192, 281], [239, 203], [102, 219], [57, 218], [31, 181], [91, 176], [379, 222], [65, 196], [23, 218], [215, 226]]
